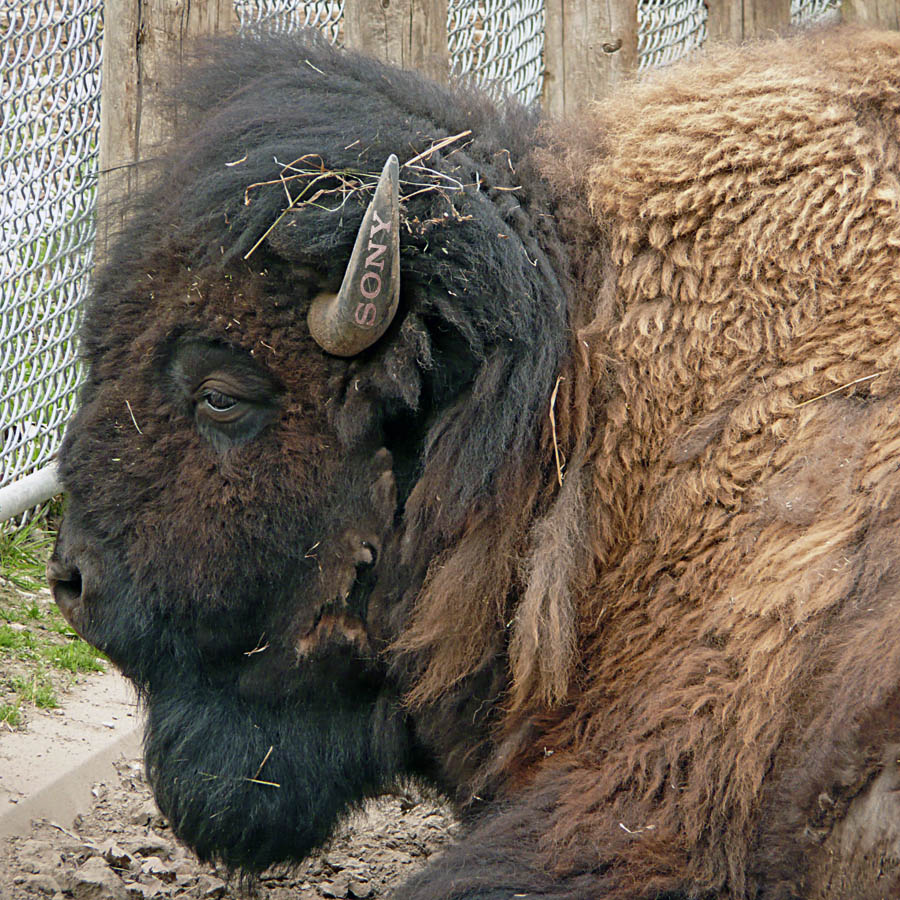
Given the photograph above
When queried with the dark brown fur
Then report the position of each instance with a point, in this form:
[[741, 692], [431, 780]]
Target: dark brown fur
[[677, 672]]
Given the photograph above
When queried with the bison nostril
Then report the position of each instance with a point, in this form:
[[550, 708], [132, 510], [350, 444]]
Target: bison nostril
[[65, 585]]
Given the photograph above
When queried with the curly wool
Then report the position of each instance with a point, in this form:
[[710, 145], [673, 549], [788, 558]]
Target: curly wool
[[740, 359]]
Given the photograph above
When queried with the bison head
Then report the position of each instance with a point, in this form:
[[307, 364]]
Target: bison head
[[255, 498]]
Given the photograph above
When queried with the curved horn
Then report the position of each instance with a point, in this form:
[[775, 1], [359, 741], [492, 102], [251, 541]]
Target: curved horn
[[345, 323]]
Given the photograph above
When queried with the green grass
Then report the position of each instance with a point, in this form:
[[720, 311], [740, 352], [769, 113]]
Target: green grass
[[40, 655], [38, 690], [57, 624], [24, 551], [21, 644], [75, 657], [10, 714]]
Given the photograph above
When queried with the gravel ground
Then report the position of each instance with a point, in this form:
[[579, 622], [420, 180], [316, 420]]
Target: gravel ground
[[122, 849]]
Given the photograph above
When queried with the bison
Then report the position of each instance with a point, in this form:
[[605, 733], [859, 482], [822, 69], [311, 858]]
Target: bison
[[554, 465]]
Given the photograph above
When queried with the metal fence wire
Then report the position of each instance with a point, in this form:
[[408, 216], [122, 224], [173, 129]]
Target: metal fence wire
[[498, 43], [669, 30], [286, 16], [49, 108], [805, 12]]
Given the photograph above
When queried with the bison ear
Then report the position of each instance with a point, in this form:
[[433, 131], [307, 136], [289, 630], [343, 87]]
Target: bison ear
[[346, 323]]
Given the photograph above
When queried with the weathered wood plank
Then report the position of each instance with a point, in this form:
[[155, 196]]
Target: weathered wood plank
[[725, 20], [766, 18], [880, 13], [144, 43], [739, 20], [411, 34], [589, 47]]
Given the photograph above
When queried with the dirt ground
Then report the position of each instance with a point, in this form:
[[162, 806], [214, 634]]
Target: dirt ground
[[122, 849]]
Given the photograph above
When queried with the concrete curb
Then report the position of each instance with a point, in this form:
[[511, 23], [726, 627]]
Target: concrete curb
[[70, 794]]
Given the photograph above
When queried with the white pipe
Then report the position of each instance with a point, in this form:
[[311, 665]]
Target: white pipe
[[29, 491]]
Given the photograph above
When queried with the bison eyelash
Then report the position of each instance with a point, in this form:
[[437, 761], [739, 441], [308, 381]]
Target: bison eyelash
[[218, 401]]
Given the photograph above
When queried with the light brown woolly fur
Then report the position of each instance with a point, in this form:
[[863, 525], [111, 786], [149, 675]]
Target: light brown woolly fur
[[734, 400]]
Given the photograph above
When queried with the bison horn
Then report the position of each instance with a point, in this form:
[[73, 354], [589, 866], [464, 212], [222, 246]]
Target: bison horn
[[348, 322]]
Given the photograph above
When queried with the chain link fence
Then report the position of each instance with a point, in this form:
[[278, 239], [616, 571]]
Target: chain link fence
[[806, 12], [286, 16], [498, 43], [49, 106], [669, 30], [50, 114]]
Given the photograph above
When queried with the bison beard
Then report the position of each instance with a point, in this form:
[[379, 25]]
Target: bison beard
[[224, 771], [600, 536]]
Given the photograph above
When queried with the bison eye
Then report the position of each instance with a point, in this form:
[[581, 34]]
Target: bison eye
[[218, 406], [217, 402], [230, 396]]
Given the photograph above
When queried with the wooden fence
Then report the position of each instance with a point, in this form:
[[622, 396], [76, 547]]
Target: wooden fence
[[589, 46]]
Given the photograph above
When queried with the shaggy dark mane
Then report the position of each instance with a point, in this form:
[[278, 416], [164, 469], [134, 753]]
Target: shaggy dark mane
[[460, 385], [484, 308]]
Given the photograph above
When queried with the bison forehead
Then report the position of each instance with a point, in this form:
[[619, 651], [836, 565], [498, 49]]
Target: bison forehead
[[260, 310]]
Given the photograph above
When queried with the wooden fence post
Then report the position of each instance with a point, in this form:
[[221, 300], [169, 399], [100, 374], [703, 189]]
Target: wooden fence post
[[143, 45], [739, 20], [589, 47], [411, 34], [880, 13]]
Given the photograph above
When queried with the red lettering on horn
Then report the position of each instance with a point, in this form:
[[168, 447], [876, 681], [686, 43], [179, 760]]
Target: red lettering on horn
[[372, 259], [381, 226], [365, 314], [370, 293]]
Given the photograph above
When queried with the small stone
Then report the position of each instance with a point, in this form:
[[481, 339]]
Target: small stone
[[151, 844], [95, 880], [151, 887], [185, 870], [39, 857], [115, 855], [361, 890], [32, 845], [337, 888], [210, 886], [77, 848], [43, 883], [145, 813], [154, 866]]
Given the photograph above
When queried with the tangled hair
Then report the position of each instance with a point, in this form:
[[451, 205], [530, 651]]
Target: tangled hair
[[472, 357]]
